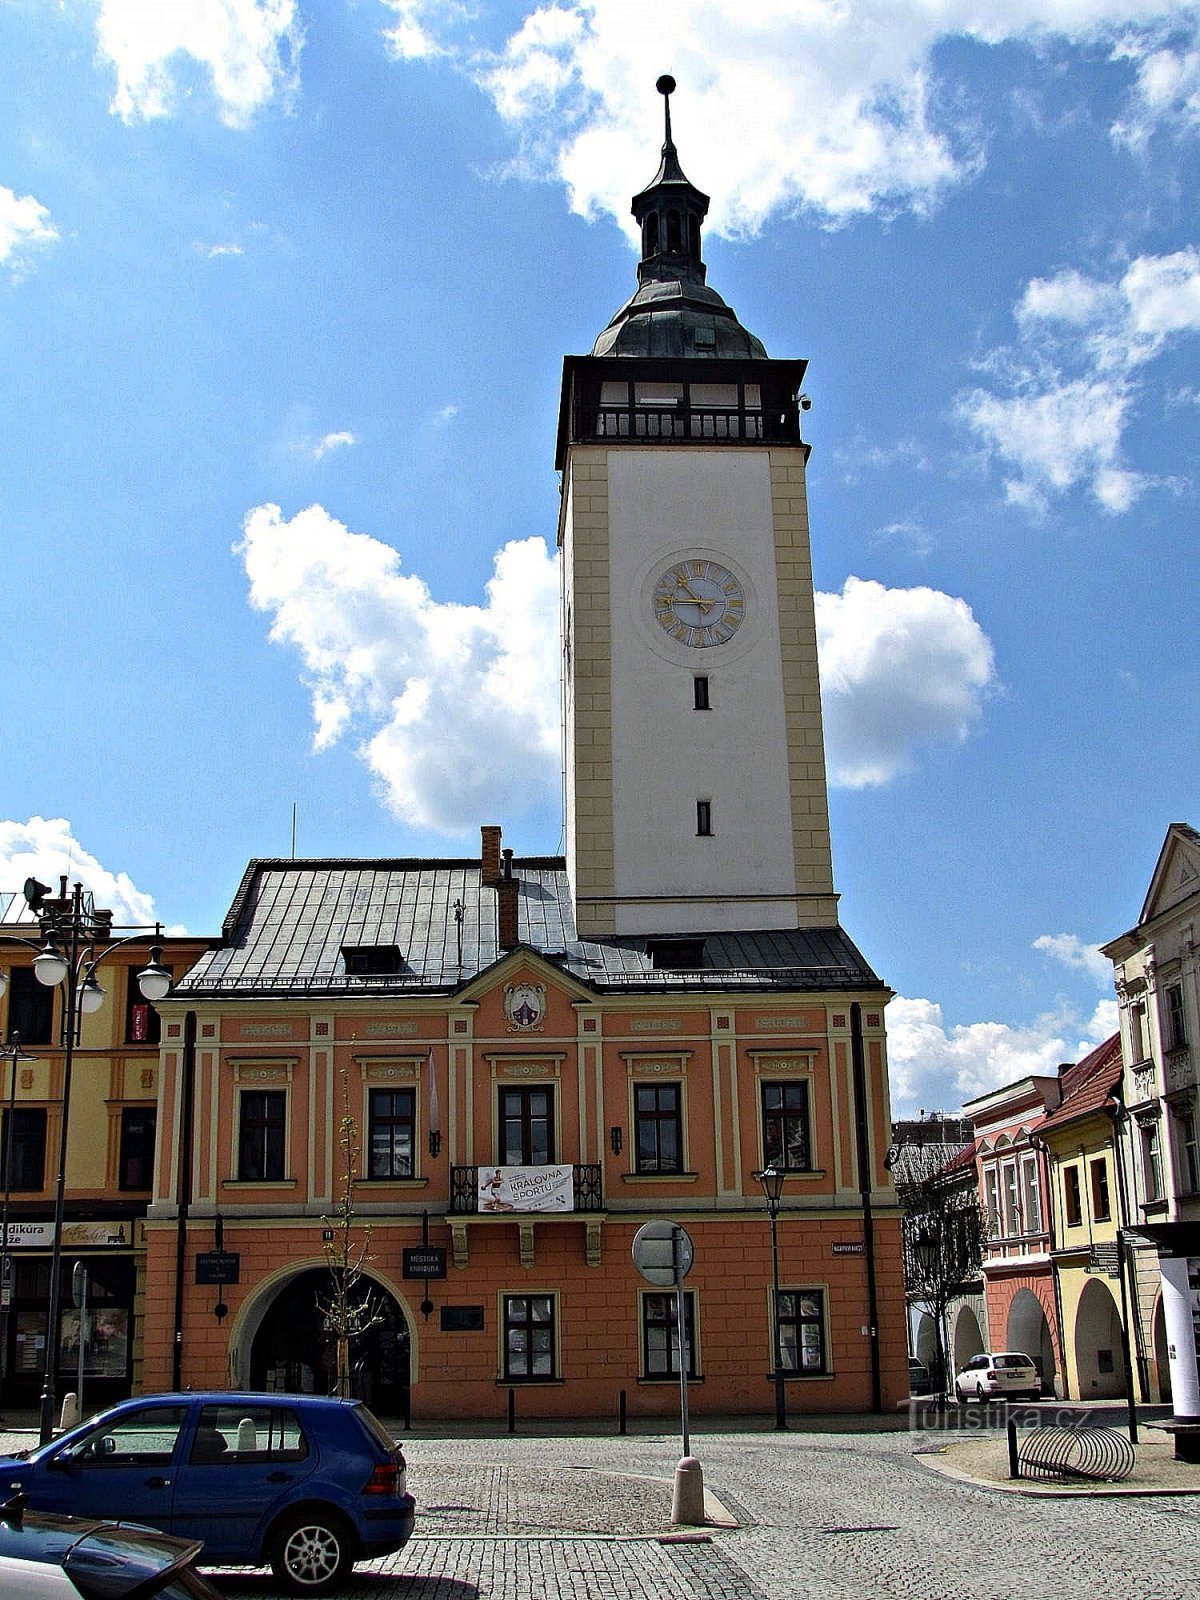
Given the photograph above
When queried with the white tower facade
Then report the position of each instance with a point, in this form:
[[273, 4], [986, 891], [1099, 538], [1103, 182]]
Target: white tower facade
[[695, 774]]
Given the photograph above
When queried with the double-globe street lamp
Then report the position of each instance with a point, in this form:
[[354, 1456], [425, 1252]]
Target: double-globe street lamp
[[771, 1179], [77, 939]]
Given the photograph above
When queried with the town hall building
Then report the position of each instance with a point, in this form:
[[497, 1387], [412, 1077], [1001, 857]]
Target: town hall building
[[520, 1060]]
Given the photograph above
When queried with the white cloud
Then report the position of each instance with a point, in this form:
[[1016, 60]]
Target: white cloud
[[455, 707], [838, 109], [332, 441], [213, 252], [1072, 952], [45, 848], [900, 668], [1061, 400], [936, 1068], [24, 226], [1167, 90], [247, 47], [414, 36]]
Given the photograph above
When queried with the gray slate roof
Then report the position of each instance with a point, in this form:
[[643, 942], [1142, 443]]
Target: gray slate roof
[[290, 920]]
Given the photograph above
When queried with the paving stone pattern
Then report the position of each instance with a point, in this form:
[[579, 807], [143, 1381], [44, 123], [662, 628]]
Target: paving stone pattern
[[839, 1515]]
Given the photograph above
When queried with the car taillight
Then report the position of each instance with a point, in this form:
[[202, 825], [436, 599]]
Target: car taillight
[[384, 1479]]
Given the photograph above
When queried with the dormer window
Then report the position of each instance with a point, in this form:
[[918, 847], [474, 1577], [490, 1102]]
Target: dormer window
[[372, 960], [675, 955]]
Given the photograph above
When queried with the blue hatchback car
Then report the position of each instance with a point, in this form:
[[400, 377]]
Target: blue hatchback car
[[304, 1483]]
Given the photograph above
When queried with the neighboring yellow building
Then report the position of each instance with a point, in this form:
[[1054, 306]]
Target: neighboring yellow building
[[111, 1130], [1086, 1217]]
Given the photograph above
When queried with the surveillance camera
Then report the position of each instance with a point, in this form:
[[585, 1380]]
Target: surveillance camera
[[805, 403]]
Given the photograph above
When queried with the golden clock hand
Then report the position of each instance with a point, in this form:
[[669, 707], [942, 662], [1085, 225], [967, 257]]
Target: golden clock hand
[[705, 605]]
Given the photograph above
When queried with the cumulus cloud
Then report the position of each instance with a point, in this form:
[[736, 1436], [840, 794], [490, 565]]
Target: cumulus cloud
[[24, 226], [45, 848], [248, 48], [1057, 404], [454, 707], [900, 668], [936, 1068], [1072, 952], [838, 109]]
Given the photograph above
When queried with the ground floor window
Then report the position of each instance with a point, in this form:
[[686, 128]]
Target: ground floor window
[[529, 1336], [802, 1331], [660, 1335]]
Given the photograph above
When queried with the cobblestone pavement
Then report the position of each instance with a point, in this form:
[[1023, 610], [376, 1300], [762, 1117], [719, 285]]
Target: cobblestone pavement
[[839, 1512]]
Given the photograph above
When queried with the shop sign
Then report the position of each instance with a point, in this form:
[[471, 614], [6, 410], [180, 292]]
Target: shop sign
[[527, 1188], [75, 1235]]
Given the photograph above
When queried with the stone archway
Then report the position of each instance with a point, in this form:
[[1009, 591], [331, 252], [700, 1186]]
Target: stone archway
[[1029, 1332], [1099, 1368], [282, 1343], [967, 1339]]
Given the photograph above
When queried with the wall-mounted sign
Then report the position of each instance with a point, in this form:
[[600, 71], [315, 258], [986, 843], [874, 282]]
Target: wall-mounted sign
[[425, 1261], [75, 1235], [218, 1266], [853, 1247], [462, 1319]]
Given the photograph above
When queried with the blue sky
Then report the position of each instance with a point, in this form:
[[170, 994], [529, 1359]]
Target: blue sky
[[284, 293]]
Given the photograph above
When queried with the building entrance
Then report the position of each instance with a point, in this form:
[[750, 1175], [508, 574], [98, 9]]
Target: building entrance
[[292, 1350]]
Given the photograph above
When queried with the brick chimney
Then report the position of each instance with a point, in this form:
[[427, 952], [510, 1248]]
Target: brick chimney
[[491, 854], [508, 890]]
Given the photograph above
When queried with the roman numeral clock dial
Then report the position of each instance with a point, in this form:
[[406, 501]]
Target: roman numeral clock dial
[[699, 602]]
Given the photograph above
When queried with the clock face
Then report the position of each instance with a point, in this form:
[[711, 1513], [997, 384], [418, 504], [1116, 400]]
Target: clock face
[[699, 602]]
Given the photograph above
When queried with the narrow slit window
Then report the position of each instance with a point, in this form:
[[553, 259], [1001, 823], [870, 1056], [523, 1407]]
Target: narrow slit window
[[700, 688], [704, 818]]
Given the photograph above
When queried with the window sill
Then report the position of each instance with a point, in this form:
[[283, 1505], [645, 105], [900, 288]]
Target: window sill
[[1154, 1208], [391, 1183], [659, 1177], [801, 1174], [260, 1183], [802, 1377], [668, 1377], [529, 1383]]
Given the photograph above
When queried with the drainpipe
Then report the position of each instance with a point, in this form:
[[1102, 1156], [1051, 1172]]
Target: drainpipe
[[183, 1192], [863, 1143]]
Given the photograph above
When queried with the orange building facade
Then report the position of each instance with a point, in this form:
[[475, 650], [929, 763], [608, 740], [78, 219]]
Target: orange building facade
[[662, 1094]]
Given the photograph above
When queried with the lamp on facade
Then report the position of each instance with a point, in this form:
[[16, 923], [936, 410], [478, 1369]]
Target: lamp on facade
[[76, 940], [771, 1179]]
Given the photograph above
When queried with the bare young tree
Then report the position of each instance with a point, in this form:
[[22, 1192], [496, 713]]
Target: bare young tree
[[943, 1231], [351, 1307]]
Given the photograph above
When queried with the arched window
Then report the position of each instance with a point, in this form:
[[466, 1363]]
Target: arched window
[[674, 231], [650, 245], [694, 235]]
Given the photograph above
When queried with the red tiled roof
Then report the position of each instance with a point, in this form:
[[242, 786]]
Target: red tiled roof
[[1087, 1086]]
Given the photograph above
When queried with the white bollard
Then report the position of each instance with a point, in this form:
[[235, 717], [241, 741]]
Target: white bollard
[[687, 1501], [70, 1411]]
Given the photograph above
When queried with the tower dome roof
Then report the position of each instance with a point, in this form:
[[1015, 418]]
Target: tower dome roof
[[674, 312]]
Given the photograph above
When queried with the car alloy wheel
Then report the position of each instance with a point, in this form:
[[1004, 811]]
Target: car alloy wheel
[[979, 1394], [311, 1552]]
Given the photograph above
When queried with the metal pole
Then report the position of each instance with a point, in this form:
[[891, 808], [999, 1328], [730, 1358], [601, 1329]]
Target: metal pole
[[780, 1396], [682, 1340], [46, 1420], [6, 1266], [81, 1270]]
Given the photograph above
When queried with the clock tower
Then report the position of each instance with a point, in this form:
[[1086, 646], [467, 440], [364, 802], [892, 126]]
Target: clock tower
[[694, 760]]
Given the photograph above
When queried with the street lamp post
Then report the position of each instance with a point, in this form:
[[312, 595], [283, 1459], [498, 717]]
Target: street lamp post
[[771, 1179], [77, 940]]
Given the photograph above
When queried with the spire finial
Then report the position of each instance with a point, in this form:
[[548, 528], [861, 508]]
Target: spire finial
[[666, 88]]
